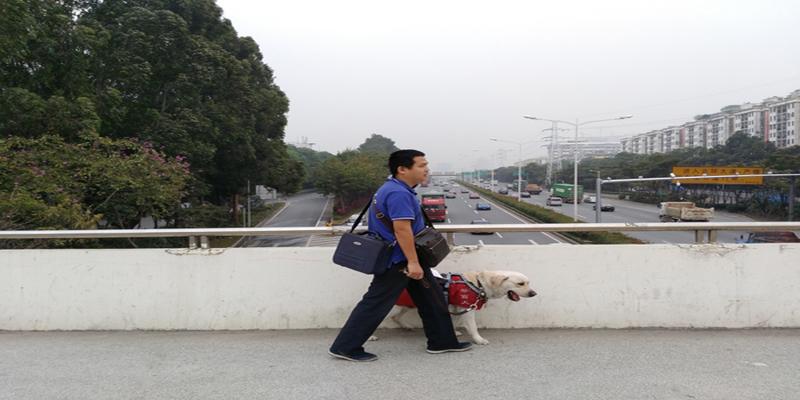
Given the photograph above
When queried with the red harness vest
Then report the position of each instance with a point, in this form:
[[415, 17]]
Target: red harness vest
[[460, 292]]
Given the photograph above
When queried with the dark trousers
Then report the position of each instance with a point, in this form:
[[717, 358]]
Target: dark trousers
[[378, 301]]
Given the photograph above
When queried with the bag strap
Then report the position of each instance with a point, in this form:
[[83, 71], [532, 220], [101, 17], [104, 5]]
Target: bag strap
[[425, 216], [381, 216], [358, 220]]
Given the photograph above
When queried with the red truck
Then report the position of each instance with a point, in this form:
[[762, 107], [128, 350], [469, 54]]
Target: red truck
[[434, 206]]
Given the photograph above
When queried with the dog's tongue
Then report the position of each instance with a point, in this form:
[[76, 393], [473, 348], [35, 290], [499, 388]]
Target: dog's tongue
[[513, 296]]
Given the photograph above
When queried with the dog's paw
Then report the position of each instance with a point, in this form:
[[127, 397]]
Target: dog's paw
[[372, 338], [480, 340]]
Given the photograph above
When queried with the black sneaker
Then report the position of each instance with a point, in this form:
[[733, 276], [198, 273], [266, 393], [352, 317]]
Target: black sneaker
[[358, 357], [462, 346]]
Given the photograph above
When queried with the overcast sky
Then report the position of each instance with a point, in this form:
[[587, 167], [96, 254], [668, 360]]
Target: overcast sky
[[445, 76]]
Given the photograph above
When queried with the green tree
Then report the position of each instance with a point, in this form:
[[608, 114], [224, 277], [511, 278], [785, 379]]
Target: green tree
[[48, 183], [167, 72], [311, 161], [378, 144], [351, 176]]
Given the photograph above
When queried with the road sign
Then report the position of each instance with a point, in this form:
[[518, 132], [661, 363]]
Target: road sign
[[700, 171]]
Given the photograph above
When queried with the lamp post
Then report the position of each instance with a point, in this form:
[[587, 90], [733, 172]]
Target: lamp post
[[501, 160], [577, 124], [519, 164], [551, 151], [466, 155]]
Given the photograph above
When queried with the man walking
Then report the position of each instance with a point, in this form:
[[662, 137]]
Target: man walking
[[396, 199]]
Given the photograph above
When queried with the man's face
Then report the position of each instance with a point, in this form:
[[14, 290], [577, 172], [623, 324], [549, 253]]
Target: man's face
[[418, 173]]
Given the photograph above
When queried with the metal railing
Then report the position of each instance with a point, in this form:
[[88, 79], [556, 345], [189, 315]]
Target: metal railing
[[198, 237]]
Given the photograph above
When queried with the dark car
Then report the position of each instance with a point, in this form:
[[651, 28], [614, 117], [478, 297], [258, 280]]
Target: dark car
[[604, 207], [772, 237], [525, 194], [464, 191], [503, 191], [483, 206], [480, 222]]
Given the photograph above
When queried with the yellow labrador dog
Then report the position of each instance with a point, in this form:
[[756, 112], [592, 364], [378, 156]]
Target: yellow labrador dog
[[496, 284]]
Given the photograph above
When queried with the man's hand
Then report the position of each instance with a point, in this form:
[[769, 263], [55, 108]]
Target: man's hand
[[405, 238], [414, 271]]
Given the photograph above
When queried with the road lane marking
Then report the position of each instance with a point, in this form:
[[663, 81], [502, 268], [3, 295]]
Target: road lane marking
[[448, 221], [552, 237], [474, 211], [532, 242], [498, 234], [325, 207], [481, 242]]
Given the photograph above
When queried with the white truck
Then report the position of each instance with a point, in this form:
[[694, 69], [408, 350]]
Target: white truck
[[671, 211]]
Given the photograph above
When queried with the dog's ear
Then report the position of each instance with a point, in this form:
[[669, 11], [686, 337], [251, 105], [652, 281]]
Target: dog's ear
[[497, 280]]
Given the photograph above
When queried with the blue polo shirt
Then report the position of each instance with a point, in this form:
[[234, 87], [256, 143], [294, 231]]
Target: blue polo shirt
[[396, 200]]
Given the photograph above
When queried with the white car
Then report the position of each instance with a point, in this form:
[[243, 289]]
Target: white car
[[354, 217], [555, 201], [591, 199]]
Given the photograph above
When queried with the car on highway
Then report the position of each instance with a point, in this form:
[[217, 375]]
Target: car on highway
[[350, 221], [450, 195], [445, 189], [474, 196], [770, 237], [554, 201], [480, 222], [464, 191], [591, 199], [503, 191], [604, 207], [483, 206], [525, 195]]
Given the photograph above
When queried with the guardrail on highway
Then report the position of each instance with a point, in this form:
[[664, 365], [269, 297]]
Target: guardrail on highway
[[198, 237]]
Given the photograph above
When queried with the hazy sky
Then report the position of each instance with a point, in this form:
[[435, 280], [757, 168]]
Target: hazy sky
[[445, 76]]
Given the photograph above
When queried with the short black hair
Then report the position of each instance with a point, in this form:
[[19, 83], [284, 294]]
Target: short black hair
[[403, 158]]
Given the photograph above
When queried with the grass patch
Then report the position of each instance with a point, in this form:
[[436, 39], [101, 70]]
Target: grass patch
[[548, 216]]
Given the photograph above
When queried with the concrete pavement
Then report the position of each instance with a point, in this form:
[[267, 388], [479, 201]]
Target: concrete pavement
[[292, 364]]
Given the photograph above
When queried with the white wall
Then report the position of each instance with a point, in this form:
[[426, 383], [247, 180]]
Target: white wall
[[619, 286]]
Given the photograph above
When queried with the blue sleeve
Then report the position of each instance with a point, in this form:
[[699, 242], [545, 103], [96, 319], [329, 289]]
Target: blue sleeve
[[401, 205]]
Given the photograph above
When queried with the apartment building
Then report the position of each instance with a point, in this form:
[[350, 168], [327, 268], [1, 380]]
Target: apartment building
[[775, 120], [784, 121]]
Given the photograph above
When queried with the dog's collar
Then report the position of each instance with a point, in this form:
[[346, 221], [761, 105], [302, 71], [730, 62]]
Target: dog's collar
[[481, 292]]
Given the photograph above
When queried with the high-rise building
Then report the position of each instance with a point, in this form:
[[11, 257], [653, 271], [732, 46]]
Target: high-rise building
[[784, 121], [775, 120]]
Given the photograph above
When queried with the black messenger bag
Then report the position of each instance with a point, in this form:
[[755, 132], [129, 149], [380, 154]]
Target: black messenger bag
[[364, 252], [431, 245]]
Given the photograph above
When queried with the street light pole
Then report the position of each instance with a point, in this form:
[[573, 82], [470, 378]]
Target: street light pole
[[597, 203], [519, 175], [576, 125], [575, 174], [519, 164]]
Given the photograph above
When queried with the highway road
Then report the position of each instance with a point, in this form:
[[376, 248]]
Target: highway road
[[303, 209], [307, 209], [461, 210], [631, 211]]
